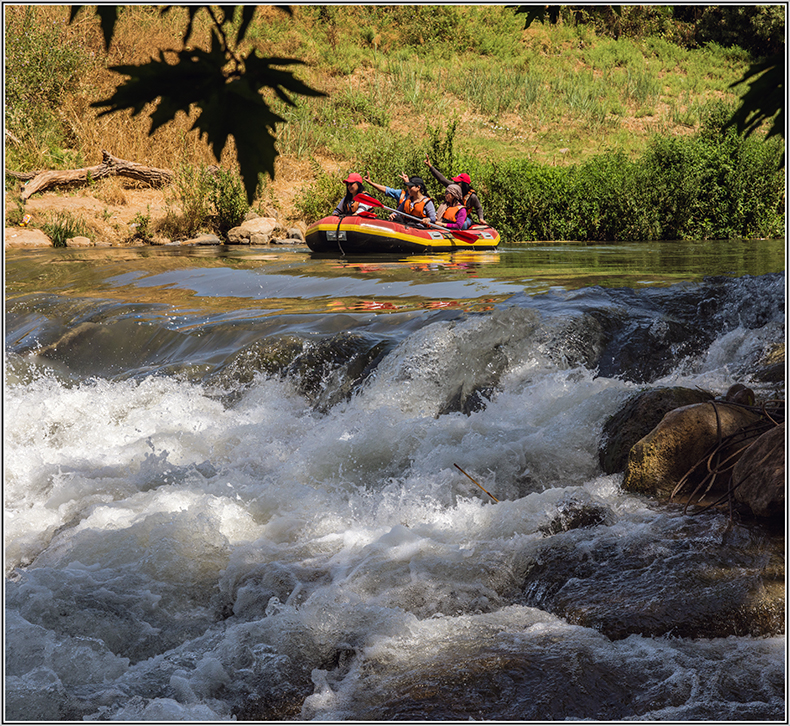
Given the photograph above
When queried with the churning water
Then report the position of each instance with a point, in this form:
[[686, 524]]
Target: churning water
[[232, 489]]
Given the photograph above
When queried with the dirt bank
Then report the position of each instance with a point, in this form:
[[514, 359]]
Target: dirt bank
[[109, 208]]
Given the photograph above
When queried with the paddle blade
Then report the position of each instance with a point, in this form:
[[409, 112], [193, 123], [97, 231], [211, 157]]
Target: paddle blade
[[465, 236], [367, 199]]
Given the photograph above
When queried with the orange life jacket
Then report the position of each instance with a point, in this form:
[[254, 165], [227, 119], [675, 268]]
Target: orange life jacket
[[466, 197], [350, 206], [415, 209], [451, 213]]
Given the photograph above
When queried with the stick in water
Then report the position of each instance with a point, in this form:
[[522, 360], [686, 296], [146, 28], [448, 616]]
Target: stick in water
[[478, 484]]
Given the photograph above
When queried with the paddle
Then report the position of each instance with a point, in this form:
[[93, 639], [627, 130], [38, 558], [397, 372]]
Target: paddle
[[373, 202]]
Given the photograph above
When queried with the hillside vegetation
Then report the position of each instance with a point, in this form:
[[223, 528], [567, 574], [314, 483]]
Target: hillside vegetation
[[567, 131]]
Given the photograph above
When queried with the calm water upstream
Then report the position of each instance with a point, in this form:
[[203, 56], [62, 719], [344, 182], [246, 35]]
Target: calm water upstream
[[232, 486]]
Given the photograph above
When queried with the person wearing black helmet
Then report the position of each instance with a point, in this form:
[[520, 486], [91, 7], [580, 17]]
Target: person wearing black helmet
[[413, 200]]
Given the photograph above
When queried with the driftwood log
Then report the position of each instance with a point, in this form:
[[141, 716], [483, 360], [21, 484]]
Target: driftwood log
[[110, 166]]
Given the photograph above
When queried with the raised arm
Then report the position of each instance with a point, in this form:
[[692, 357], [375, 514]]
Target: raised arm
[[443, 180], [380, 187]]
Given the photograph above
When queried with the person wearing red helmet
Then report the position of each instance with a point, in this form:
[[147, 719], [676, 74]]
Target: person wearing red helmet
[[470, 199], [347, 205]]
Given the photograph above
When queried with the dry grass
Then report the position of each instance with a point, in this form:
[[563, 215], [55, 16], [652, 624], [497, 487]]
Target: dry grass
[[141, 33]]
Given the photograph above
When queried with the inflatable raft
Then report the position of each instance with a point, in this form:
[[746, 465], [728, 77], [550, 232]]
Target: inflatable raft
[[358, 234]]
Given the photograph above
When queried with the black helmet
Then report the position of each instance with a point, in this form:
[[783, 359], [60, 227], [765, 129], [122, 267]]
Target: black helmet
[[417, 181]]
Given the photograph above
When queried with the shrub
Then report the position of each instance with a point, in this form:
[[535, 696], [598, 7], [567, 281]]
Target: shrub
[[62, 226], [41, 65], [319, 198], [141, 226], [228, 200], [192, 186]]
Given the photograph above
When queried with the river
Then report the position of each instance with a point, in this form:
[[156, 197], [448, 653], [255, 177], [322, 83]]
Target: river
[[260, 484]]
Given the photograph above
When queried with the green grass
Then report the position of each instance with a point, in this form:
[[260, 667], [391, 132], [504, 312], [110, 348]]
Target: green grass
[[402, 80], [62, 226]]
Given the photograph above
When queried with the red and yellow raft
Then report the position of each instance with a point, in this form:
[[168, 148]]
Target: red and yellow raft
[[358, 235]]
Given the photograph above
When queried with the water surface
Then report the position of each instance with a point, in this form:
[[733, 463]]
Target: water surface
[[232, 486]]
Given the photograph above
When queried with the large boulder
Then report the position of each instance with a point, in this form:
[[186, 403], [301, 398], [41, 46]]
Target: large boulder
[[637, 418], [256, 231], [657, 462], [22, 237], [759, 476]]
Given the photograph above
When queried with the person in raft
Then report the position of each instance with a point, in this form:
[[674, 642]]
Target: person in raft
[[413, 200], [452, 212], [470, 198], [347, 205]]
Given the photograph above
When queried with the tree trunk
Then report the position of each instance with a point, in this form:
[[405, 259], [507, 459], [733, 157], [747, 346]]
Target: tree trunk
[[110, 166]]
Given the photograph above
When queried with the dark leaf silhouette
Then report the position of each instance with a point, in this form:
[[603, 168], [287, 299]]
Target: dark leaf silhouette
[[764, 99], [225, 87]]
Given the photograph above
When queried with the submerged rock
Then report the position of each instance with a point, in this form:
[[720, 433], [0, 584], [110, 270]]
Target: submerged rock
[[686, 576], [325, 371], [576, 514], [657, 462], [637, 418]]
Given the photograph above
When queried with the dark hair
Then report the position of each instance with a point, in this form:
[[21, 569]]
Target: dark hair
[[350, 196], [418, 181]]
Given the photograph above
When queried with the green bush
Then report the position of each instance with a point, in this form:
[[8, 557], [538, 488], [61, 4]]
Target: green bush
[[41, 65], [141, 226], [228, 201], [193, 186], [711, 186], [320, 198], [62, 226]]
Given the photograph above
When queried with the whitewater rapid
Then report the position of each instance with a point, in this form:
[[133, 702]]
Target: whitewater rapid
[[180, 548]]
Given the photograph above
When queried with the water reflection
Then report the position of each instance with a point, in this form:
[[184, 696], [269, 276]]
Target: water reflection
[[294, 280]]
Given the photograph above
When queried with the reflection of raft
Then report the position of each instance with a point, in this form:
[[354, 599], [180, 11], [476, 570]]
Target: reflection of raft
[[356, 234]]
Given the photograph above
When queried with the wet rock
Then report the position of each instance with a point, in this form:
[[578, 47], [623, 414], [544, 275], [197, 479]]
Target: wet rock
[[772, 368], [644, 583], [79, 242], [326, 371], [637, 418], [657, 462], [759, 476], [576, 514], [467, 400], [203, 239], [740, 394]]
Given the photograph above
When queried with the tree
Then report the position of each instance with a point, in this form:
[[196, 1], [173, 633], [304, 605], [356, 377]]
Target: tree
[[223, 84]]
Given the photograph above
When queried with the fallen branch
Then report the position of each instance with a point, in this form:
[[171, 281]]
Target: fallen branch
[[110, 166], [476, 482]]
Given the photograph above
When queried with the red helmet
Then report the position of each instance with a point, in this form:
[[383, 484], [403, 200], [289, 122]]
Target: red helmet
[[463, 178], [354, 177]]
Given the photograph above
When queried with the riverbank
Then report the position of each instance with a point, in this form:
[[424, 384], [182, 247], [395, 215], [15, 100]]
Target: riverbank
[[109, 209]]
